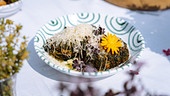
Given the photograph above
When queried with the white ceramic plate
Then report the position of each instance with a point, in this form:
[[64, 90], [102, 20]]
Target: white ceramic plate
[[10, 9], [118, 26]]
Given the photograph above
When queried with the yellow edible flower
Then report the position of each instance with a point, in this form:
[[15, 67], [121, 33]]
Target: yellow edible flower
[[111, 43]]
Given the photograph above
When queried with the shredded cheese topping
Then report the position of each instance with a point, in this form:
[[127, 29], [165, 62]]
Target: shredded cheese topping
[[73, 34]]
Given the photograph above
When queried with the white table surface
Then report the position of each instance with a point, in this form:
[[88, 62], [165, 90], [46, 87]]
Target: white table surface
[[37, 79]]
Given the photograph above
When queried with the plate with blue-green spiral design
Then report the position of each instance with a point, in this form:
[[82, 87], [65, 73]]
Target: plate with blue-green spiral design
[[123, 29]]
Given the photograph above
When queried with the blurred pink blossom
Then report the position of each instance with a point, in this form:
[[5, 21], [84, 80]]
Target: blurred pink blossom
[[166, 52]]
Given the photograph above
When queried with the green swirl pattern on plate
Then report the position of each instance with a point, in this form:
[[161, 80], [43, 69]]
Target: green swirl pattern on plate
[[89, 18], [112, 24]]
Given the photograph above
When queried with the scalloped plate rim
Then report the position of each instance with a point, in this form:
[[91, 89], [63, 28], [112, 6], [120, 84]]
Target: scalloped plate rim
[[10, 9]]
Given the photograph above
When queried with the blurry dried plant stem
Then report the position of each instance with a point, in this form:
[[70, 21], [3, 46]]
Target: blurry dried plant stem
[[13, 51], [7, 86]]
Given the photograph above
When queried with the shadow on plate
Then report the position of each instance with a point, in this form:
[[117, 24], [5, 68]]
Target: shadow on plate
[[41, 67]]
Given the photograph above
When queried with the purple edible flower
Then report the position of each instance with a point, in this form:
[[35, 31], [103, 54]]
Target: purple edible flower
[[78, 65], [89, 68]]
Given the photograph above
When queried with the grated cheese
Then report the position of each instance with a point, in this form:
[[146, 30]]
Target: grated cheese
[[73, 34]]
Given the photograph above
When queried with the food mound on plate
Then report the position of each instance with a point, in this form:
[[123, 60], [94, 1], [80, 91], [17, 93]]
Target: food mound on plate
[[87, 48], [5, 2]]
